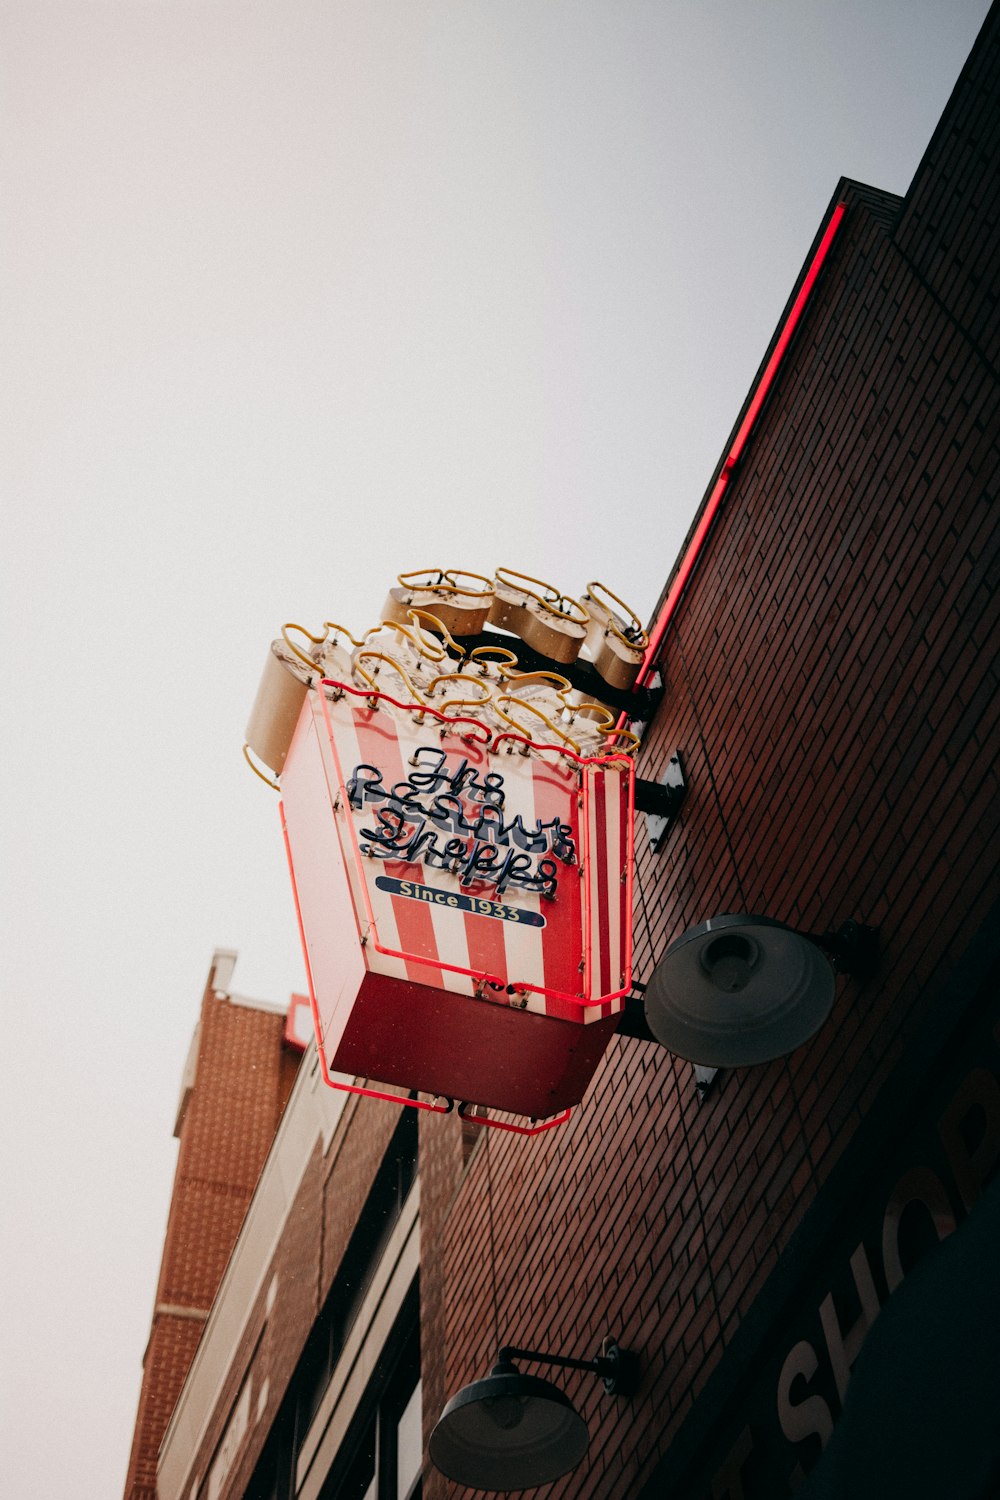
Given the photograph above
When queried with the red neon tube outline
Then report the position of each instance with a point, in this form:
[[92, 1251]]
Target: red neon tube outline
[[739, 444], [534, 1129], [585, 910], [416, 708]]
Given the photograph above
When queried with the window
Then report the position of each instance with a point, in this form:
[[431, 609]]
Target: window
[[410, 1446], [375, 1224], [376, 1460], [381, 1455]]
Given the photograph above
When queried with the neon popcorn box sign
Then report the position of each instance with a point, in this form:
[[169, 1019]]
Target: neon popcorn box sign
[[480, 880], [457, 803]]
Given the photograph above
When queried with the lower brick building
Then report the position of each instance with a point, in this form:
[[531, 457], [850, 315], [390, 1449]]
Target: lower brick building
[[237, 1078], [828, 647]]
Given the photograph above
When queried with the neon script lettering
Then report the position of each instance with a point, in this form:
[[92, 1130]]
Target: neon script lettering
[[452, 818]]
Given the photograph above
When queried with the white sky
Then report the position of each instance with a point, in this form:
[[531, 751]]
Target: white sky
[[297, 294]]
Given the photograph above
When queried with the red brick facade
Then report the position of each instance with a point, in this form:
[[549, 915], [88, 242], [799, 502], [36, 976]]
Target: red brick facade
[[831, 682], [242, 1074]]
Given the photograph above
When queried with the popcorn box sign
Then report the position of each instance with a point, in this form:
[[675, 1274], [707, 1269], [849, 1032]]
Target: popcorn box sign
[[464, 899]]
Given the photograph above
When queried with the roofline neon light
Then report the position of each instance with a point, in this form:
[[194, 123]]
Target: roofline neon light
[[738, 445]]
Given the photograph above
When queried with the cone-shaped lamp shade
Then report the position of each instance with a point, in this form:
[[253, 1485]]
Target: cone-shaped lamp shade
[[508, 1432], [738, 990]]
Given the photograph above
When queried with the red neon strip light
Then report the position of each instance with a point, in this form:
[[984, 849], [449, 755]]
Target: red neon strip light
[[739, 443], [588, 890], [533, 1129], [415, 708]]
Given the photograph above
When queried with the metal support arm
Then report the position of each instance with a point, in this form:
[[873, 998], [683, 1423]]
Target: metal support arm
[[617, 1367]]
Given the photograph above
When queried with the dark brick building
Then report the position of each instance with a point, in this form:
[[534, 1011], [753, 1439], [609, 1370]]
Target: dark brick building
[[830, 676]]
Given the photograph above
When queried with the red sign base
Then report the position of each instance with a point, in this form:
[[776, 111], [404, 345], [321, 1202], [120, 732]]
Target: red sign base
[[468, 1049], [457, 1036]]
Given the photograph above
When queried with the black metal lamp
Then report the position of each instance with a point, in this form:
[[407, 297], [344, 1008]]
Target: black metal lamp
[[513, 1431], [739, 990]]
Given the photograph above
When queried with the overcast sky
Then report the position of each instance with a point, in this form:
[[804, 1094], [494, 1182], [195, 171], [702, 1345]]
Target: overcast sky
[[298, 294]]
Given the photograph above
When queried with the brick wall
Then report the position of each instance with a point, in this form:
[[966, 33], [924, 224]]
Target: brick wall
[[314, 1237], [832, 685], [441, 1165], [243, 1075]]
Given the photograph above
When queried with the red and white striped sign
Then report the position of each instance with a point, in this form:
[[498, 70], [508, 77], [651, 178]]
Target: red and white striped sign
[[481, 863]]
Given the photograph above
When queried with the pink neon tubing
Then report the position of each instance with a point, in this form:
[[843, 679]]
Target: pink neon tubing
[[514, 1129], [739, 443]]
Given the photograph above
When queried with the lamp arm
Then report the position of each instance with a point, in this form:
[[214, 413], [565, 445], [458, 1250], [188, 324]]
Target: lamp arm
[[853, 947], [617, 1367], [509, 1353]]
